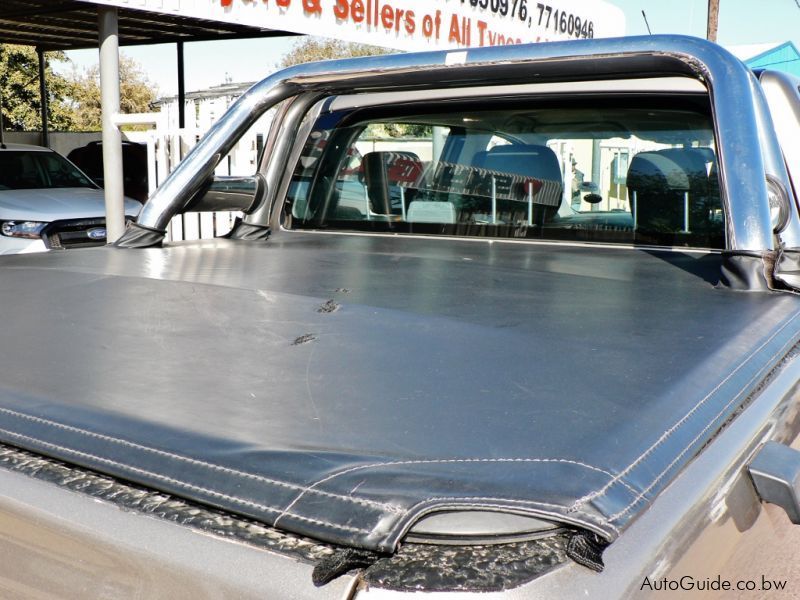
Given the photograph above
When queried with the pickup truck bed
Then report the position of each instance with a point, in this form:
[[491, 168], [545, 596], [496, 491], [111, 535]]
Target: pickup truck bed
[[214, 371]]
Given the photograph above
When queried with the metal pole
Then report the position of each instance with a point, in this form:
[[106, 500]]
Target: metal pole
[[530, 203], [181, 89], [596, 165], [2, 126], [439, 137], [685, 212], [152, 161], [43, 98], [108, 23], [713, 20], [644, 16], [494, 200]]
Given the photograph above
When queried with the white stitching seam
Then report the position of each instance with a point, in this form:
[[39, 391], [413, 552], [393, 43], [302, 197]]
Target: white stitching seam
[[284, 512], [380, 505], [302, 489], [692, 443], [177, 482], [681, 422], [454, 461], [467, 460], [615, 479], [493, 502]]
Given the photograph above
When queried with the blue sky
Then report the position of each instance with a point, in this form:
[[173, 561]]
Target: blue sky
[[208, 63]]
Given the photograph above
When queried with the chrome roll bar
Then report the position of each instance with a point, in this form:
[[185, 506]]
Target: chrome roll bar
[[736, 100], [279, 144], [782, 93]]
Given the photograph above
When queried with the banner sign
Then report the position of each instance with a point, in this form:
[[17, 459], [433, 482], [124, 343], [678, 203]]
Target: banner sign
[[409, 25]]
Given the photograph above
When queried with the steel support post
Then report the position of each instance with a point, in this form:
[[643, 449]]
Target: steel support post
[[107, 21], [181, 89], [2, 125], [43, 99]]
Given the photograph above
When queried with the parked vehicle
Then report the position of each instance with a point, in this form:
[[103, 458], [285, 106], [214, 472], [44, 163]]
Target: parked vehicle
[[457, 369], [89, 159], [47, 203]]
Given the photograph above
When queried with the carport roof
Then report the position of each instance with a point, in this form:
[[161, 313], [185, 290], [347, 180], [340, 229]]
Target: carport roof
[[71, 24]]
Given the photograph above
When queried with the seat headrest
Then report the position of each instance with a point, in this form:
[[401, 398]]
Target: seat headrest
[[652, 169], [674, 169], [397, 166], [672, 191], [530, 160], [383, 169]]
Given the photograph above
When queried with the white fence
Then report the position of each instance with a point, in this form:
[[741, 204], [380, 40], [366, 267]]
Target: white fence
[[165, 149]]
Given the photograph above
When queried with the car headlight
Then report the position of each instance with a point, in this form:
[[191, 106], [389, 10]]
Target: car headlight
[[22, 229]]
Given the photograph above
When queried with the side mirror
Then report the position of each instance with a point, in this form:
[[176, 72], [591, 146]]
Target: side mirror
[[229, 193]]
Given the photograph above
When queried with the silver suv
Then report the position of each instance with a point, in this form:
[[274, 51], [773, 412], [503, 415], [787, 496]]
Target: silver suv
[[46, 202]]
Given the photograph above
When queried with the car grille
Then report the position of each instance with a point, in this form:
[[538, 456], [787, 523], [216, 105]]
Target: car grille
[[82, 233]]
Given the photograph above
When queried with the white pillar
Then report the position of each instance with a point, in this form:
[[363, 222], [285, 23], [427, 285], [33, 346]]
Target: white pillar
[[107, 23]]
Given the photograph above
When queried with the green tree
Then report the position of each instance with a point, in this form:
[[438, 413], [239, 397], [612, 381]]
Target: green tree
[[311, 49], [136, 94], [19, 90], [399, 130], [73, 102]]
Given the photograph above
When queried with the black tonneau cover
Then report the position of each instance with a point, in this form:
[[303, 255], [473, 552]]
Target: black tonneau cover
[[340, 386]]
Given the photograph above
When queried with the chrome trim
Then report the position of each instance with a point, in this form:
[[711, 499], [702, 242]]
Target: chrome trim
[[490, 241], [279, 148], [665, 85], [191, 174], [229, 192], [734, 97], [294, 152], [782, 93]]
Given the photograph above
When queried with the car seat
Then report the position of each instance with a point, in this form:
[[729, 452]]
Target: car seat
[[671, 191], [532, 161], [388, 172]]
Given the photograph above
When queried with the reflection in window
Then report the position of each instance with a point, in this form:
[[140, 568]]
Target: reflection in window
[[27, 170], [627, 175]]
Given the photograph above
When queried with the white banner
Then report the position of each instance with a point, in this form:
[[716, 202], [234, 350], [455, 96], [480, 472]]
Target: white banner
[[409, 24]]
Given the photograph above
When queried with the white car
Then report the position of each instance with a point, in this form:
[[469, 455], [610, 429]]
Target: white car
[[46, 202]]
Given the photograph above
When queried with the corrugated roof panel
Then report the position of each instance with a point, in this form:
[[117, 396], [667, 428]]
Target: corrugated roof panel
[[70, 24], [784, 57]]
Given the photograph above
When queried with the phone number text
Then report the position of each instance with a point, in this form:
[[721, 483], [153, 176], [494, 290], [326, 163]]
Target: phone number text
[[543, 16]]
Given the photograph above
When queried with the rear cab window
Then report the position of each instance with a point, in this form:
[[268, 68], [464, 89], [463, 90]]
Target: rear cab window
[[628, 170]]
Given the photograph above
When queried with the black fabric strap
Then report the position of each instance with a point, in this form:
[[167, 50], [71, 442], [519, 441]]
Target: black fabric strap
[[340, 562], [586, 549]]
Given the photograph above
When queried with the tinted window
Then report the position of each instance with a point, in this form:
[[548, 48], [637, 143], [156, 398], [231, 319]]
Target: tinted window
[[25, 170], [605, 173]]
